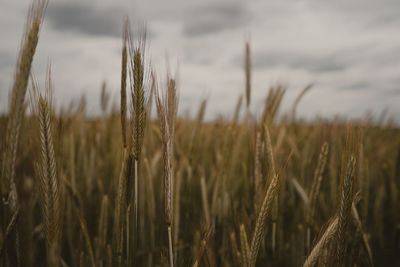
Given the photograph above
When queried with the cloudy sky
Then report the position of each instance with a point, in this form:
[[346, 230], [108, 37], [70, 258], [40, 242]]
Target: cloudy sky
[[350, 50]]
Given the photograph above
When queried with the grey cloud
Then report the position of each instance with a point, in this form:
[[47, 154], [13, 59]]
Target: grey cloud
[[311, 62], [85, 18], [356, 85], [364, 86], [385, 55], [215, 17], [322, 65], [367, 10], [385, 19], [392, 88], [393, 91], [320, 62], [359, 85], [6, 60]]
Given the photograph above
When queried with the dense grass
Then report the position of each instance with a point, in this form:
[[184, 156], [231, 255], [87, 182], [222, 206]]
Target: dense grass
[[229, 192]]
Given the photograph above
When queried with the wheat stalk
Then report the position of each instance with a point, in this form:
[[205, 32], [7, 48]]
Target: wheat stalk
[[51, 203], [10, 227], [16, 108], [172, 102], [121, 198], [344, 210], [318, 177], [272, 103], [322, 243], [196, 130], [272, 171], [177, 209], [257, 170], [363, 234], [164, 115], [104, 97], [138, 119], [298, 98], [136, 75], [235, 249], [86, 236], [204, 199], [102, 232], [313, 195], [120, 204], [247, 68], [244, 245], [267, 204], [123, 79]]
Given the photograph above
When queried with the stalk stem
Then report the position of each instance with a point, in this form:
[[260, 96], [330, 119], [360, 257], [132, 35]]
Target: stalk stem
[[135, 207], [171, 257]]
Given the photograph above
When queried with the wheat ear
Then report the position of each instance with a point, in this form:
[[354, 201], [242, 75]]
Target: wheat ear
[[345, 210], [267, 204], [203, 247], [319, 247], [49, 183], [138, 95], [138, 118], [123, 79], [315, 189], [298, 98], [162, 109], [16, 108]]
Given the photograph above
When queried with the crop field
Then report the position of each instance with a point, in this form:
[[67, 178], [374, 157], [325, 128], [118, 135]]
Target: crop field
[[127, 188]]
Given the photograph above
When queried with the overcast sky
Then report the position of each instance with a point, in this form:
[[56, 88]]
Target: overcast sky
[[350, 50]]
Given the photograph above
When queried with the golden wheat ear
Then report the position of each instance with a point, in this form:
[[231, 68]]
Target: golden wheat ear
[[344, 210], [315, 188], [203, 246], [123, 79], [166, 108], [137, 76], [318, 249], [49, 184], [166, 146], [244, 246], [138, 86], [267, 204], [18, 92], [122, 194], [172, 105]]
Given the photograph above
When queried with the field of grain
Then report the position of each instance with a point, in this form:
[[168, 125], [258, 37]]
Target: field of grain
[[130, 189]]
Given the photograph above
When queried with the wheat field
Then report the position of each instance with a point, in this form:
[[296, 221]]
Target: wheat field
[[130, 189]]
